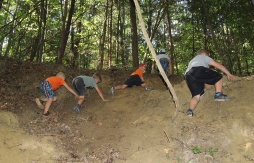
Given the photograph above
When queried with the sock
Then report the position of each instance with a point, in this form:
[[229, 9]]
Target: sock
[[217, 94]]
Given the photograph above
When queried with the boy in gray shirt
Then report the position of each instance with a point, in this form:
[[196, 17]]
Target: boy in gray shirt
[[198, 74], [82, 82]]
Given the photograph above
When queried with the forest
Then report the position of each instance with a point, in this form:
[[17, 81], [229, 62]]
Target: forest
[[40, 38], [99, 34]]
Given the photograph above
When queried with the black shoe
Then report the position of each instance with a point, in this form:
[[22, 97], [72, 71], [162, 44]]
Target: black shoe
[[190, 112], [76, 108], [46, 114], [222, 97]]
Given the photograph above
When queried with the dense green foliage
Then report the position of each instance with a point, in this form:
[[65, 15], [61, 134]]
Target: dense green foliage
[[101, 30]]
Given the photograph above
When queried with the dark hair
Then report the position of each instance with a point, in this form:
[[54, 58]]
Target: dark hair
[[98, 76]]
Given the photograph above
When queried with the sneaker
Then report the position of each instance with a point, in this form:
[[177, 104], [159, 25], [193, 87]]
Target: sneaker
[[148, 88], [112, 91], [46, 114], [39, 103], [222, 97], [76, 108], [190, 112]]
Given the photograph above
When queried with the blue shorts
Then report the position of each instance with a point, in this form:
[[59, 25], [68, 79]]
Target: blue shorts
[[165, 64], [133, 80], [79, 85], [46, 89]]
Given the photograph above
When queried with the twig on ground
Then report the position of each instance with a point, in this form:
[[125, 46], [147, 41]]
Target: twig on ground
[[184, 144], [166, 136], [14, 146], [47, 135]]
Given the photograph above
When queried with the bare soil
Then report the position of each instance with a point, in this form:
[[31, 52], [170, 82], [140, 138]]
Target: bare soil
[[135, 126]]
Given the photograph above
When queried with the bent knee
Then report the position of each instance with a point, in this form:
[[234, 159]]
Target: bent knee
[[55, 98], [197, 97], [81, 97]]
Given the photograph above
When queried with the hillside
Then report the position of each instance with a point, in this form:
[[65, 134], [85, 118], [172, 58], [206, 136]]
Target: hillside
[[134, 126]]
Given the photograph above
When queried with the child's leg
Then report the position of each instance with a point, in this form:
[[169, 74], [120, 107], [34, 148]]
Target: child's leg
[[45, 99], [47, 105], [143, 85], [120, 87], [194, 102], [207, 86], [218, 86], [81, 100]]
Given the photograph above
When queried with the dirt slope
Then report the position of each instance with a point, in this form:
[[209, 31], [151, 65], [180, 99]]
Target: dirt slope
[[135, 126]]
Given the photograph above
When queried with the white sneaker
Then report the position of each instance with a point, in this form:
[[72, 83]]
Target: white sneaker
[[112, 91]]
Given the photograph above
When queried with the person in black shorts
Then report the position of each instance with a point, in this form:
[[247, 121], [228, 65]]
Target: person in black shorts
[[198, 75], [83, 82], [136, 78]]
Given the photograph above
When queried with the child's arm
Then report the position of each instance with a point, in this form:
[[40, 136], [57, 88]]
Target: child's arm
[[100, 93], [71, 90], [142, 78], [224, 69]]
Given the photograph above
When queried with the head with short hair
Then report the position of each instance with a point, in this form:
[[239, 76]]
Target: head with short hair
[[61, 75], [202, 52], [97, 77], [162, 51]]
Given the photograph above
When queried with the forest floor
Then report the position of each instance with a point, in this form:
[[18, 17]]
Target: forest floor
[[134, 126]]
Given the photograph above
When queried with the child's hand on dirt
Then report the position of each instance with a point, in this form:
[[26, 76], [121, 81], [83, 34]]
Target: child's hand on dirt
[[105, 100], [230, 77]]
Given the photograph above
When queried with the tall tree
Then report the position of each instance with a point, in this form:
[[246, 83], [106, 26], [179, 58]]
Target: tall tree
[[103, 37], [134, 35], [110, 34], [38, 44], [65, 29], [1, 4], [171, 45]]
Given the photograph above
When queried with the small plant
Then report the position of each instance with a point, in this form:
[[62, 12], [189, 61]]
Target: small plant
[[196, 150], [179, 160], [211, 151]]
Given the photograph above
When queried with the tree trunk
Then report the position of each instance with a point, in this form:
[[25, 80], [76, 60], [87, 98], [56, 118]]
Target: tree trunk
[[110, 35], [76, 41], [134, 35], [227, 51], [122, 35], [152, 31], [44, 20], [38, 43], [102, 40], [171, 45], [118, 32], [1, 4], [65, 30], [10, 39]]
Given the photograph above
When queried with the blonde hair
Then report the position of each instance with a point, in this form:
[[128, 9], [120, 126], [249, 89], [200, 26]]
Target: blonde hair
[[61, 74], [202, 51]]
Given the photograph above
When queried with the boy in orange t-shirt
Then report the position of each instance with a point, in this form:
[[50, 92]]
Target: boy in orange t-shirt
[[48, 87], [136, 78]]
